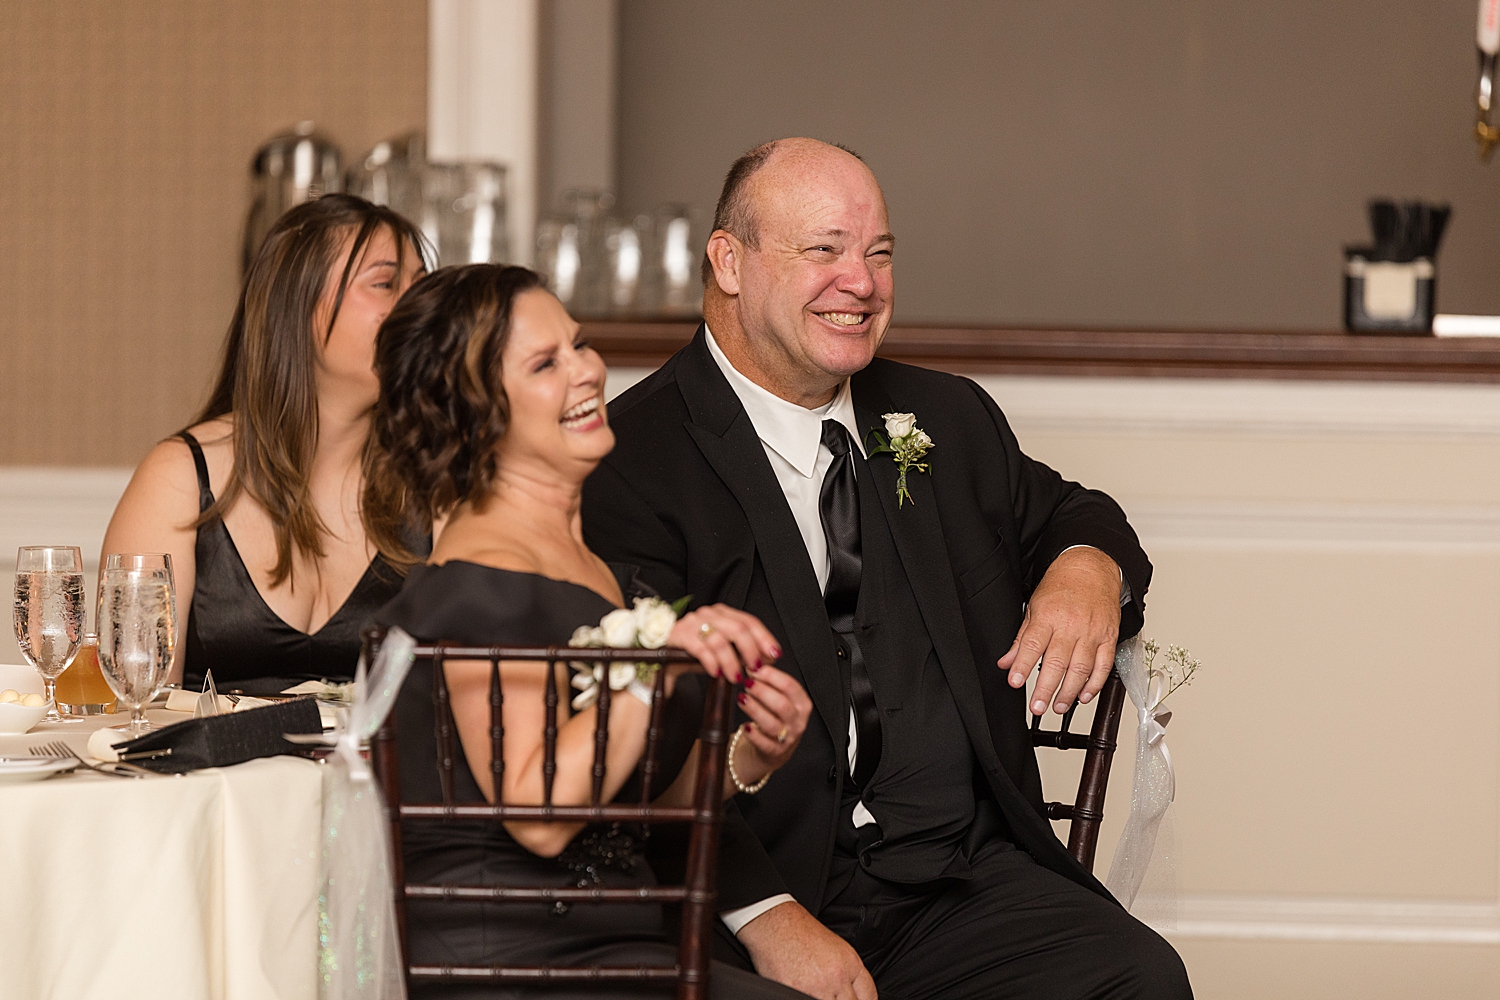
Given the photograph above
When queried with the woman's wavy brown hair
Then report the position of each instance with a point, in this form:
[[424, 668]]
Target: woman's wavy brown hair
[[267, 380], [442, 407]]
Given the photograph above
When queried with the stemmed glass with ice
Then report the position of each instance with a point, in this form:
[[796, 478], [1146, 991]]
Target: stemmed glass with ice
[[137, 622], [49, 612]]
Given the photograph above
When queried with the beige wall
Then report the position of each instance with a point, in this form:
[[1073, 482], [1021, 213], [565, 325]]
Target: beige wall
[[1159, 162], [128, 129]]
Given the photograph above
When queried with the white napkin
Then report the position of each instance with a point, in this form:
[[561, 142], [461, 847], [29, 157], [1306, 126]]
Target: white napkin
[[102, 743]]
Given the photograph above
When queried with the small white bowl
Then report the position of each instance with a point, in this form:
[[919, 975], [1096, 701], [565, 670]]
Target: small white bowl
[[15, 719]]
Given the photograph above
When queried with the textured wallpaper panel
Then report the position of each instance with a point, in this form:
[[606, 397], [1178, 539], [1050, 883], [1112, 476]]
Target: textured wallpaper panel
[[126, 131]]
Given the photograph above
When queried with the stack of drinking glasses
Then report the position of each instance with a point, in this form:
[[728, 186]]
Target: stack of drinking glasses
[[600, 264], [460, 206]]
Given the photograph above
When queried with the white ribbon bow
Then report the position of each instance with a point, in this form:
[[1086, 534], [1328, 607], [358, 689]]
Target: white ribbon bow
[[1153, 726]]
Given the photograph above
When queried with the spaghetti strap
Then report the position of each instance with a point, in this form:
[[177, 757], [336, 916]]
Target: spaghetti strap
[[205, 493]]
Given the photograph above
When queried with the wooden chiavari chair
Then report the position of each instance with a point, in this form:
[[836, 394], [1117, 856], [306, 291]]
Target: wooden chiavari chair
[[691, 973], [1086, 813]]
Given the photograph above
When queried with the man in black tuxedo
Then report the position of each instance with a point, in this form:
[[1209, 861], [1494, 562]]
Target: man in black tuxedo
[[904, 846]]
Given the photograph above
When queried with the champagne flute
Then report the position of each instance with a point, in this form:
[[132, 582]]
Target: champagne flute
[[49, 612], [137, 624]]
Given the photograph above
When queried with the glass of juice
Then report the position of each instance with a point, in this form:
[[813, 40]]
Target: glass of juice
[[81, 689]]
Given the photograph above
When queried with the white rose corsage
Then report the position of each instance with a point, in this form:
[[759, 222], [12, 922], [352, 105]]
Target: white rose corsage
[[907, 443], [645, 626]]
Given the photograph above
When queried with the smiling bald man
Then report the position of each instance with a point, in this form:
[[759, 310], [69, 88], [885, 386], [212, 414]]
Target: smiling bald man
[[904, 848]]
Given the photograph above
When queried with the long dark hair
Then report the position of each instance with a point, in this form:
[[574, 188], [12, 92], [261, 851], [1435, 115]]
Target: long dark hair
[[442, 408], [266, 380]]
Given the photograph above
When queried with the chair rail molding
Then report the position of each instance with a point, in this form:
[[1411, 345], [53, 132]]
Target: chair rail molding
[[1344, 920], [1318, 527]]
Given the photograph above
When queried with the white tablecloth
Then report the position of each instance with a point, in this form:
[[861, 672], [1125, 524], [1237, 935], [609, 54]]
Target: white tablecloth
[[198, 886]]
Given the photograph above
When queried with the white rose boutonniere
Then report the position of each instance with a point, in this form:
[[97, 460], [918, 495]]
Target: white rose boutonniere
[[907, 443], [645, 626]]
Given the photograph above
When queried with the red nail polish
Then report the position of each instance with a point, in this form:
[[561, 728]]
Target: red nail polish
[[741, 697], [776, 652], [756, 666], [749, 682]]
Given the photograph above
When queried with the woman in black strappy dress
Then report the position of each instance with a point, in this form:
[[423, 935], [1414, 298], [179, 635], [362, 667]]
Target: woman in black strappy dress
[[258, 501], [491, 414]]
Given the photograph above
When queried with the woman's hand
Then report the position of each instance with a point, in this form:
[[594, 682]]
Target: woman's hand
[[778, 710], [727, 641]]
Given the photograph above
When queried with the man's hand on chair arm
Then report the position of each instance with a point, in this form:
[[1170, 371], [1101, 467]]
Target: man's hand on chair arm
[[1071, 625], [789, 945]]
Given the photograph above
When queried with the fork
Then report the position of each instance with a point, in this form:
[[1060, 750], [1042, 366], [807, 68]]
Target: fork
[[60, 750]]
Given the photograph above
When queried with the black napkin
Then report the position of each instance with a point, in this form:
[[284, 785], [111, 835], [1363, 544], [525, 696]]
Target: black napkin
[[221, 740]]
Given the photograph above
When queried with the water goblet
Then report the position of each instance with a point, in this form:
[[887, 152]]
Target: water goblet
[[137, 624], [142, 560], [49, 612]]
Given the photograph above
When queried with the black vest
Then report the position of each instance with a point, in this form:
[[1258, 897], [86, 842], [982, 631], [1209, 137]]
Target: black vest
[[922, 794]]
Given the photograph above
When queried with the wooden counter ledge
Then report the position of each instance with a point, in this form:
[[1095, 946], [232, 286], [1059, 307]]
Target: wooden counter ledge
[[1179, 353]]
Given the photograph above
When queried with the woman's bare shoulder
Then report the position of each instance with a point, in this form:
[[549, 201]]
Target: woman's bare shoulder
[[167, 472], [163, 493]]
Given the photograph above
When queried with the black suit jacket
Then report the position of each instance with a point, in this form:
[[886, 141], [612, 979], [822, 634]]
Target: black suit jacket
[[689, 496]]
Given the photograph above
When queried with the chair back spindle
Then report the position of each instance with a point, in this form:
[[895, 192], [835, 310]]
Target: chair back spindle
[[1086, 813], [443, 726], [549, 733], [653, 740], [601, 741], [497, 729], [703, 846]]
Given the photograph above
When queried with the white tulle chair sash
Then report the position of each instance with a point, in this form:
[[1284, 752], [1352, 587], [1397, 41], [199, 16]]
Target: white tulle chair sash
[[1142, 874], [359, 952]]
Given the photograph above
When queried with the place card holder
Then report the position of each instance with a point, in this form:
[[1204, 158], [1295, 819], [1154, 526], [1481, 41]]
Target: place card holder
[[222, 740], [1385, 296]]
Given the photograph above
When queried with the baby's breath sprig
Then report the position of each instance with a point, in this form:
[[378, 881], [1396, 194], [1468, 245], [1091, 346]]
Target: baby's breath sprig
[[1177, 672]]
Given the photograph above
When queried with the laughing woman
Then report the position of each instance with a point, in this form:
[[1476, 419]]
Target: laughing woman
[[492, 414]]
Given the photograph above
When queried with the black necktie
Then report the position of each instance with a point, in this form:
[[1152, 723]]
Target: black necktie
[[838, 505]]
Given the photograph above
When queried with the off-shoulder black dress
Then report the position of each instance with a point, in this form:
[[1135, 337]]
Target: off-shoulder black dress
[[480, 605]]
